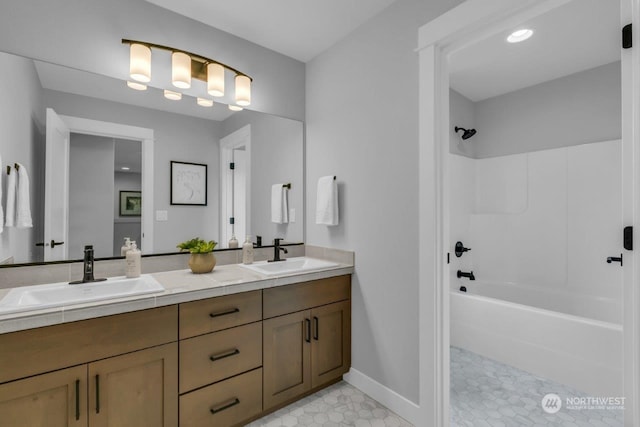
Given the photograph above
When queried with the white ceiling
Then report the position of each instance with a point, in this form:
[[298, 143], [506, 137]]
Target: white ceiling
[[581, 35], [300, 29]]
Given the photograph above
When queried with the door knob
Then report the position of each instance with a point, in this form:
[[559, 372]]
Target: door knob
[[54, 243], [615, 259]]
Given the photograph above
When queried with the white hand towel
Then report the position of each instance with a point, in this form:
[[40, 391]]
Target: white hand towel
[[23, 202], [1, 211], [10, 214], [279, 204], [327, 201]]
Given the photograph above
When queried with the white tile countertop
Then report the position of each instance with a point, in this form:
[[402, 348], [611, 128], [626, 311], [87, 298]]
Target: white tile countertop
[[180, 286]]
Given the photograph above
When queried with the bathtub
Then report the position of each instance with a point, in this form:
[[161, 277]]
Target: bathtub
[[570, 339]]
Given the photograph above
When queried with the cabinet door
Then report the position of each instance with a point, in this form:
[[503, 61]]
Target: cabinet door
[[331, 344], [138, 389], [287, 356], [58, 399]]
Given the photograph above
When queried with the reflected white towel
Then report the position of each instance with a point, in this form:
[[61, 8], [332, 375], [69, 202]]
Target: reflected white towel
[[23, 202], [10, 214], [279, 204], [1, 211], [327, 201]]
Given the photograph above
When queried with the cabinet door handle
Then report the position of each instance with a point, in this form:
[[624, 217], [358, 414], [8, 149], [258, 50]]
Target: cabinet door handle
[[234, 402], [224, 313], [307, 336], [224, 355], [316, 332], [77, 400], [97, 394]]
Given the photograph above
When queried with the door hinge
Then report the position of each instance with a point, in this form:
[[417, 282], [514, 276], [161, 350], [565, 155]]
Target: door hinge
[[232, 220], [627, 37], [628, 238], [232, 166]]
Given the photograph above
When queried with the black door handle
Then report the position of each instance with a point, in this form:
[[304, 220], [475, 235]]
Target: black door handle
[[54, 243], [611, 259], [307, 336]]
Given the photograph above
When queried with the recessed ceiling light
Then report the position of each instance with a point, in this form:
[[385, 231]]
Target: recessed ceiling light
[[235, 108], [520, 35], [124, 168]]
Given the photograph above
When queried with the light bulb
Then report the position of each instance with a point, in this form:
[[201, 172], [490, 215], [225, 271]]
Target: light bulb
[[243, 90], [215, 79], [140, 62], [181, 70]]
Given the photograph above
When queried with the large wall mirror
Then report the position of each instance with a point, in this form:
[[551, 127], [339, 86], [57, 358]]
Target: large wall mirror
[[99, 161]]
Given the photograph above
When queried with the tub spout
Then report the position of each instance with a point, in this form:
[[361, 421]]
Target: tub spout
[[469, 275]]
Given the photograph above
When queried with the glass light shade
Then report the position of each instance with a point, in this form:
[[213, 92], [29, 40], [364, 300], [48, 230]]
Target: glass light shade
[[174, 96], [204, 102], [215, 79], [243, 90], [235, 108], [137, 86], [140, 62], [181, 70]]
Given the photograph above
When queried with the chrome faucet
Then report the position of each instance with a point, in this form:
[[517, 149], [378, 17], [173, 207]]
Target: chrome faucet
[[87, 268], [276, 251]]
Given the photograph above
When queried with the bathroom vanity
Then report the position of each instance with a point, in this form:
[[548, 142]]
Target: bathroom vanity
[[220, 352]]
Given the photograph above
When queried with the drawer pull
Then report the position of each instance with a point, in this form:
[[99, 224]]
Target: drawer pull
[[234, 402], [77, 400], [97, 394], [316, 333], [224, 355], [224, 313], [307, 335]]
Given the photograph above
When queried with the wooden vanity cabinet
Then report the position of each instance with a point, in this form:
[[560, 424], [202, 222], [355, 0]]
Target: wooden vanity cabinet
[[105, 387], [309, 348]]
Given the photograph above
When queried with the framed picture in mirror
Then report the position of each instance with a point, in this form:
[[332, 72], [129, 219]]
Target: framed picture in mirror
[[188, 184], [130, 203]]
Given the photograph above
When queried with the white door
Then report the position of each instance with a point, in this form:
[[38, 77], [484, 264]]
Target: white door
[[56, 189], [240, 193]]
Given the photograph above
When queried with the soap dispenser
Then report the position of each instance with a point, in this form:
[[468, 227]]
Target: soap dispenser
[[125, 248], [233, 242], [247, 251], [133, 261]]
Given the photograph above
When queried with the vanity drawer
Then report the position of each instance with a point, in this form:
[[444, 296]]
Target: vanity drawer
[[216, 314], [291, 298], [226, 403], [233, 351]]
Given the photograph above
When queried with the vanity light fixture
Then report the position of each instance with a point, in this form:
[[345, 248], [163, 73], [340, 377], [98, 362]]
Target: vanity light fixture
[[136, 85], [520, 35], [174, 96], [204, 102], [235, 108], [187, 66]]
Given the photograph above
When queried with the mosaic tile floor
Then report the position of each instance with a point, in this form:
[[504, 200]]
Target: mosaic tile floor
[[486, 393], [336, 406]]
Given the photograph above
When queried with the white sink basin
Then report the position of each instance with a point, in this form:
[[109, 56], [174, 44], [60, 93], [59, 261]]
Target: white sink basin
[[61, 294], [290, 266]]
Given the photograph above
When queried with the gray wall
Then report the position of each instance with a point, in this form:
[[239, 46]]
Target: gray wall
[[462, 113], [577, 109], [362, 125], [177, 137], [125, 226], [276, 156], [22, 126], [86, 34], [91, 188]]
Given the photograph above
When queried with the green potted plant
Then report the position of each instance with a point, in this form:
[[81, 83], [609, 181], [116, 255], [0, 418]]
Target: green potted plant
[[202, 259]]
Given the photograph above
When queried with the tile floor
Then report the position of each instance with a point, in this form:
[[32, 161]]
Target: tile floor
[[486, 393], [336, 406]]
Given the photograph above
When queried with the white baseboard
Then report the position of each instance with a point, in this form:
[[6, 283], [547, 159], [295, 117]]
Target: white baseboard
[[387, 397]]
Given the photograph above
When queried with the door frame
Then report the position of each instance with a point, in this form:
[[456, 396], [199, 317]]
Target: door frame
[[133, 133], [236, 139], [437, 39]]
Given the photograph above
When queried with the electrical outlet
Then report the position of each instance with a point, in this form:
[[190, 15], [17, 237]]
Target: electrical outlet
[[162, 216]]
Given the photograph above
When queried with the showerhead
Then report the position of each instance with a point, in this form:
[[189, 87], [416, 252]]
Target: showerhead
[[466, 133]]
